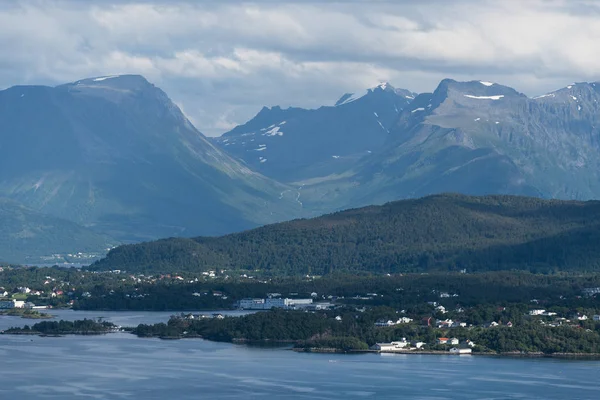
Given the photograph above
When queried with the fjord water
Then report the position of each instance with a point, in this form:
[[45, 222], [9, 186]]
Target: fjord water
[[122, 366]]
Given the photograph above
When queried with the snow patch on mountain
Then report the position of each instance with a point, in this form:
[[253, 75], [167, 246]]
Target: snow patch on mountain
[[103, 78], [273, 132], [495, 97], [544, 95]]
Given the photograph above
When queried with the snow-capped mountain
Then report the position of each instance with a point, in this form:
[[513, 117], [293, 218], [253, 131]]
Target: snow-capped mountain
[[295, 144], [479, 138], [115, 154]]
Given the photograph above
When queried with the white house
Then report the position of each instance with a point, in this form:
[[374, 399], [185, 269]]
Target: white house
[[537, 312], [456, 350], [401, 344], [384, 347], [596, 317], [383, 322], [12, 304], [393, 346], [453, 341], [416, 344]]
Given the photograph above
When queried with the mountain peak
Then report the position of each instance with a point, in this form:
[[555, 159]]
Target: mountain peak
[[123, 82], [383, 87]]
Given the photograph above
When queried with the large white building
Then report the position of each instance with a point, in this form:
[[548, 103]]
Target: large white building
[[12, 304], [269, 303]]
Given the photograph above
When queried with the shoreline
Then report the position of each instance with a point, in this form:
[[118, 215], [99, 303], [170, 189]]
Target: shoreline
[[563, 356]]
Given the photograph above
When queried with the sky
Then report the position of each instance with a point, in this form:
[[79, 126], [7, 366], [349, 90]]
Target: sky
[[222, 61]]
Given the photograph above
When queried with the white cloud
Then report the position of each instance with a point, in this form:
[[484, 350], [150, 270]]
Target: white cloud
[[224, 60]]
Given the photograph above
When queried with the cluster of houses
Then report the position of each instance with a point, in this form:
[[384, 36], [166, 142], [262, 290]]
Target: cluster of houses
[[389, 322], [407, 346], [557, 321]]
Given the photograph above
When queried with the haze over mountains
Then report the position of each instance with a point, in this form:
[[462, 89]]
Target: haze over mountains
[[115, 156], [473, 137]]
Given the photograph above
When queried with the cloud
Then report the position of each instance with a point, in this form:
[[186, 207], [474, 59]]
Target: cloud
[[222, 61]]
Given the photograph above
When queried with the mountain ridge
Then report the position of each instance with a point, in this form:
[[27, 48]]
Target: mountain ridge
[[438, 232], [295, 144], [117, 155]]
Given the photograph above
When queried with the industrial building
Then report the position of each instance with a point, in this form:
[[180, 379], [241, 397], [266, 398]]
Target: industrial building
[[269, 303]]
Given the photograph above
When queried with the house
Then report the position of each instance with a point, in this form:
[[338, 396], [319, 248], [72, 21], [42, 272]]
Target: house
[[596, 317], [383, 322], [456, 350], [401, 344], [12, 304], [338, 318], [3, 293], [509, 324], [416, 344], [384, 347], [444, 323], [491, 324], [393, 346], [442, 340], [24, 290], [453, 341], [441, 309], [470, 343], [537, 312], [582, 317]]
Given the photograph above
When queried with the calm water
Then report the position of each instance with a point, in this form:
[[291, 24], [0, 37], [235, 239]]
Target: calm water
[[121, 366], [121, 318]]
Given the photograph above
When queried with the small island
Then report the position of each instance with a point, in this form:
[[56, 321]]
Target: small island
[[347, 330], [26, 313], [52, 328]]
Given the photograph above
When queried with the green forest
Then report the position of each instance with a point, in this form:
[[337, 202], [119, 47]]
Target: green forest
[[356, 331], [62, 327], [437, 233]]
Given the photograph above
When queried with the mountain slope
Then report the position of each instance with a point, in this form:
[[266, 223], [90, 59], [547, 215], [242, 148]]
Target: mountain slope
[[481, 138], [30, 237], [436, 232], [114, 153], [294, 144]]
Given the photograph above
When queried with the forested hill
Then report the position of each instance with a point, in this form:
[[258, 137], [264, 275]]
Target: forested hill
[[441, 232]]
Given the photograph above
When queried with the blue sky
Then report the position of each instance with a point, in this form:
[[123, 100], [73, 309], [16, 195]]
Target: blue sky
[[221, 61]]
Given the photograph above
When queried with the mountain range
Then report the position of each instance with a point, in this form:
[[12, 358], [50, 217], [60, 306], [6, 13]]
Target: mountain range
[[117, 158], [296, 144]]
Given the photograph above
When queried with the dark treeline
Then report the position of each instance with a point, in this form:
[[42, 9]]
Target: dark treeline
[[443, 232], [62, 327], [410, 291]]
